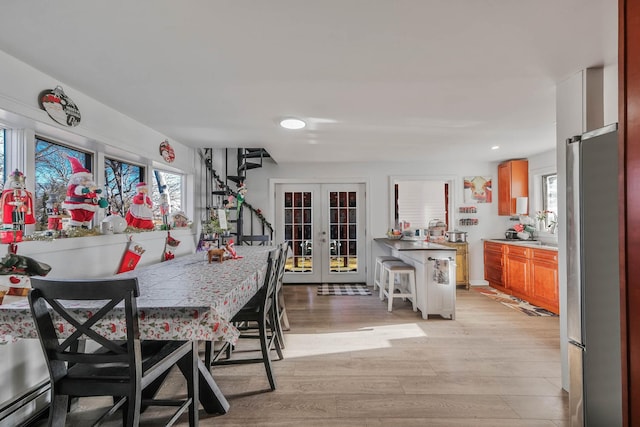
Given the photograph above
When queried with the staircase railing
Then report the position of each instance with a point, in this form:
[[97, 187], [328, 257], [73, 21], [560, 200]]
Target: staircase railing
[[260, 230]]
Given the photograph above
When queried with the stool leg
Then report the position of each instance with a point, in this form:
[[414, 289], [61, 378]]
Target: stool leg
[[376, 276], [391, 290], [412, 286], [382, 283]]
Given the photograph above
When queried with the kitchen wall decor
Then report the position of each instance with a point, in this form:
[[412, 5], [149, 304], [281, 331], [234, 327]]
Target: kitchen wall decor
[[477, 189], [59, 107]]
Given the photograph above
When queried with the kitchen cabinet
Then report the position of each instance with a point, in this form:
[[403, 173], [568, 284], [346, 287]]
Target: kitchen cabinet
[[493, 265], [518, 268], [544, 279], [526, 272], [513, 182], [462, 263]]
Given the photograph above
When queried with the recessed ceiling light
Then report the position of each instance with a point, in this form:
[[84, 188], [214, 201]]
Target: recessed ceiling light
[[495, 147], [292, 123]]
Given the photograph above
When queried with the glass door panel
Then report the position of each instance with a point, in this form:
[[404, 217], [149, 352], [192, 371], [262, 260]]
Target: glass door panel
[[323, 224]]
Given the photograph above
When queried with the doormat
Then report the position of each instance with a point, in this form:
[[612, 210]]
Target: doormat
[[343, 289], [514, 302]]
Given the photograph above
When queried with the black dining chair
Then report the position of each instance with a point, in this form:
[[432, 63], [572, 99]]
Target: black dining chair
[[130, 370], [256, 320], [281, 320]]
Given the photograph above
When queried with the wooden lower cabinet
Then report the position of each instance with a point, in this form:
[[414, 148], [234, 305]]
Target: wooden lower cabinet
[[518, 267], [525, 272], [462, 263], [493, 265], [544, 279]]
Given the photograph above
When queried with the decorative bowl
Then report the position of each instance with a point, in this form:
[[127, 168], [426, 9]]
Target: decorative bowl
[[394, 236]]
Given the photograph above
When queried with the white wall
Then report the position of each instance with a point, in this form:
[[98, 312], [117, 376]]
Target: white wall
[[379, 192]]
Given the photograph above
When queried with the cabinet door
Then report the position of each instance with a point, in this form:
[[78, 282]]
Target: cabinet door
[[518, 275], [544, 279], [493, 271], [513, 182], [504, 189]]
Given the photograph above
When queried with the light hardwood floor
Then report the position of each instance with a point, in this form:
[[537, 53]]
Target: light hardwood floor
[[348, 362]]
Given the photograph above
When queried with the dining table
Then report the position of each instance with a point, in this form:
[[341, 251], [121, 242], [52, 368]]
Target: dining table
[[183, 299]]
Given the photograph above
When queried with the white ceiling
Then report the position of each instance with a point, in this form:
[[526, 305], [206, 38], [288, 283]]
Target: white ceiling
[[375, 79]]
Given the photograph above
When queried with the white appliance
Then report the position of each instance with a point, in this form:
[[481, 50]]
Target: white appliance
[[593, 286]]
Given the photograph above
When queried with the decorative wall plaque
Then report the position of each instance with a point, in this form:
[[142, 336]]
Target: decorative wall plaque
[[59, 107], [167, 152]]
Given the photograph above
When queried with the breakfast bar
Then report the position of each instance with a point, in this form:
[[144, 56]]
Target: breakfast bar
[[435, 273]]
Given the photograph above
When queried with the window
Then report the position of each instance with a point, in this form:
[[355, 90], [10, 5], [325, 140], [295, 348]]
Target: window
[[121, 179], [166, 196], [550, 192], [2, 134], [53, 170]]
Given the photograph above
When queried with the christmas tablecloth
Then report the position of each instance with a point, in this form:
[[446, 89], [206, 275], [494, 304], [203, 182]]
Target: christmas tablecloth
[[182, 299]]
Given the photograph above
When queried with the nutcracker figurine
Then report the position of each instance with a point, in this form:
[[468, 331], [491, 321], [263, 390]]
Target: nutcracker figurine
[[17, 203]]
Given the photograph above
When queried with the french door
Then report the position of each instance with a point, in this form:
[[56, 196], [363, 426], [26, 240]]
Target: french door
[[325, 227]]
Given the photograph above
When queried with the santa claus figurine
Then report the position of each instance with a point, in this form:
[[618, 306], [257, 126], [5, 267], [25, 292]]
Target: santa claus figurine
[[140, 214], [17, 202], [83, 196]]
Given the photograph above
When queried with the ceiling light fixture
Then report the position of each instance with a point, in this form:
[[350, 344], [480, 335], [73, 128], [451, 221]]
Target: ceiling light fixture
[[292, 123], [495, 147]]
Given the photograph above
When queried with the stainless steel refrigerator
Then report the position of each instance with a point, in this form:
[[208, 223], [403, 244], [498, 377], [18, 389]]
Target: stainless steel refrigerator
[[593, 286]]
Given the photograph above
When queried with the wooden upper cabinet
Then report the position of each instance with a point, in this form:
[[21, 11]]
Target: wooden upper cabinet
[[513, 182]]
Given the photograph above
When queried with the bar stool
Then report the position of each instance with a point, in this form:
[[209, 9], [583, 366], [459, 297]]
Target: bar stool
[[406, 277], [377, 273]]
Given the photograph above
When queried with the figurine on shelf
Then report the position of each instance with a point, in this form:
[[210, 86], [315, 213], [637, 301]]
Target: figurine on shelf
[[17, 202], [179, 220], [54, 216], [83, 196], [165, 208], [140, 214]]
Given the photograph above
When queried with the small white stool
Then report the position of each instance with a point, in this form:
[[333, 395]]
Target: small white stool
[[406, 275], [377, 273]]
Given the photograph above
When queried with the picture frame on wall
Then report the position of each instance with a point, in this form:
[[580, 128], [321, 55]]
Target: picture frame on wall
[[477, 189]]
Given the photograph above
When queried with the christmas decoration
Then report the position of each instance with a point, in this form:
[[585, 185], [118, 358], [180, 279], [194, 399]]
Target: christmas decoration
[[83, 196], [167, 152], [179, 220], [17, 207], [216, 254], [170, 242], [140, 214], [117, 223], [232, 252], [131, 256], [54, 214], [15, 273]]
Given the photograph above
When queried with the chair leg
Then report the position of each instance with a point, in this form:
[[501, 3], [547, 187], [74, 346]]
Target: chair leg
[[58, 410], [276, 333], [264, 346], [278, 323], [189, 368], [283, 313], [132, 409]]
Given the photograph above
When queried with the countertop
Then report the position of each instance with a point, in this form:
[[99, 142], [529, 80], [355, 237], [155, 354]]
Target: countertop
[[529, 243], [412, 245]]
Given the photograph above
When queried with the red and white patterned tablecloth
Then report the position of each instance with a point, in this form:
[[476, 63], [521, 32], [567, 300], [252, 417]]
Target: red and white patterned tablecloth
[[183, 299]]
